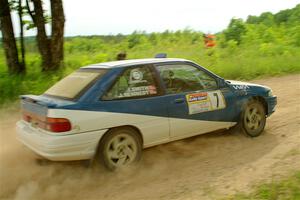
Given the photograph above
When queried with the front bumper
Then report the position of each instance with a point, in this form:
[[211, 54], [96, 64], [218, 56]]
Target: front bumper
[[272, 102], [59, 147]]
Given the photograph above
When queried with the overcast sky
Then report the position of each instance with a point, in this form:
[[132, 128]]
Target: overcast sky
[[96, 17]]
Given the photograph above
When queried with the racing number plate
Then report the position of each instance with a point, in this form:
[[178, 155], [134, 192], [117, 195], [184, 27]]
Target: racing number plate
[[205, 101]]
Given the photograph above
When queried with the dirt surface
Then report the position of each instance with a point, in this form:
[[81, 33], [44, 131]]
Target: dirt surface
[[209, 166]]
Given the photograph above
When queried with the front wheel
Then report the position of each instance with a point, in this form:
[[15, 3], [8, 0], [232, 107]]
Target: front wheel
[[120, 147], [253, 118]]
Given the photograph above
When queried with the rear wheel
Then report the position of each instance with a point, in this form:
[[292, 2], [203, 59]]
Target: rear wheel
[[120, 147], [253, 118]]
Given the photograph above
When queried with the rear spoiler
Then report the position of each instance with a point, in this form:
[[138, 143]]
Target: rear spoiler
[[38, 100]]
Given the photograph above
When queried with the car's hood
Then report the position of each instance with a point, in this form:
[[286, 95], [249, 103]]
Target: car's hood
[[240, 83], [248, 87]]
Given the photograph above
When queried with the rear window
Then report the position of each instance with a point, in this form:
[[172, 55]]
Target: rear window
[[74, 84]]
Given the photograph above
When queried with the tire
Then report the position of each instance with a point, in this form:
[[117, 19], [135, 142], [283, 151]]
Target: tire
[[120, 147], [253, 118]]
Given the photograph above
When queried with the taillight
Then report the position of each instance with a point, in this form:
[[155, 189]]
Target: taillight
[[58, 124], [47, 123], [26, 117]]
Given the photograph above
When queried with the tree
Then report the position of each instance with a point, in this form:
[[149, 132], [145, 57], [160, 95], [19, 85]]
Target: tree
[[57, 40], [252, 19], [235, 30], [8, 38], [22, 46], [282, 16], [267, 18], [51, 48]]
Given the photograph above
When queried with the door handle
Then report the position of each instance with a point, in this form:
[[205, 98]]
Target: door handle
[[179, 100]]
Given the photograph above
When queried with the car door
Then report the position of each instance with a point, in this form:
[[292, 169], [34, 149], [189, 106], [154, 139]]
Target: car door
[[196, 104], [134, 99]]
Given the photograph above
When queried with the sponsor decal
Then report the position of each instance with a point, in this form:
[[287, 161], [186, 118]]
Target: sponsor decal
[[205, 101], [136, 76], [139, 91], [240, 87], [152, 89], [197, 97]]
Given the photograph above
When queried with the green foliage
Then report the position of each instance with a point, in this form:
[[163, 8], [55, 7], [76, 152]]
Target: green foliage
[[235, 30], [287, 189], [288, 16], [245, 50]]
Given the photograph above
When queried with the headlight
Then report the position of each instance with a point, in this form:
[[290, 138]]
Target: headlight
[[270, 93]]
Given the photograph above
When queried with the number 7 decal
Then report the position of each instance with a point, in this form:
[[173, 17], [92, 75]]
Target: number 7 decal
[[216, 100], [217, 97], [205, 101]]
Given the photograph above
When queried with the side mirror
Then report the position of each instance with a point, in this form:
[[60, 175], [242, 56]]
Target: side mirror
[[222, 83]]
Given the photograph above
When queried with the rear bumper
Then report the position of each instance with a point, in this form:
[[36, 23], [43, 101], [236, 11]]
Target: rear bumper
[[272, 102], [59, 147]]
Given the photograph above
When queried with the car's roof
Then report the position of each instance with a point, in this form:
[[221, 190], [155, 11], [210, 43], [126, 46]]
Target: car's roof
[[124, 63]]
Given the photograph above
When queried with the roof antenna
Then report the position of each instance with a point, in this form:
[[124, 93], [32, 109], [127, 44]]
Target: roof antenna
[[161, 55]]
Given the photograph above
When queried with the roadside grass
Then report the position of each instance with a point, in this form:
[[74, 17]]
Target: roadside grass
[[286, 189]]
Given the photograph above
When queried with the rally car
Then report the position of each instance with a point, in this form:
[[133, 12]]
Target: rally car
[[115, 109]]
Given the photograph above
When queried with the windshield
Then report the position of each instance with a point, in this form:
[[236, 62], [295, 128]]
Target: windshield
[[72, 85]]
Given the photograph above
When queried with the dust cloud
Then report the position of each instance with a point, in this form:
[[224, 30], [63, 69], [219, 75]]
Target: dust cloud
[[206, 166]]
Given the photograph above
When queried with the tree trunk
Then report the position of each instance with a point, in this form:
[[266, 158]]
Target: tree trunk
[[42, 39], [57, 40], [20, 13], [8, 38], [51, 50]]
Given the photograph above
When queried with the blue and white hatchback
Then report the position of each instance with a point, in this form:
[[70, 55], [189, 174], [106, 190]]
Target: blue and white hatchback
[[113, 110]]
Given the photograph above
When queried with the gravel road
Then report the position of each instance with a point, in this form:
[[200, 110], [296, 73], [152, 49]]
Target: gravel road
[[209, 166]]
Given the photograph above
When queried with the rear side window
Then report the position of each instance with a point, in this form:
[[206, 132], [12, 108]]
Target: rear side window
[[133, 83], [74, 84]]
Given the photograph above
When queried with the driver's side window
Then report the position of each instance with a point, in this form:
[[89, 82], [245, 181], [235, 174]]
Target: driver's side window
[[184, 78]]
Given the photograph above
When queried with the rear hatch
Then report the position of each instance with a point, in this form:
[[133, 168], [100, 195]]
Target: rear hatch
[[65, 92]]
